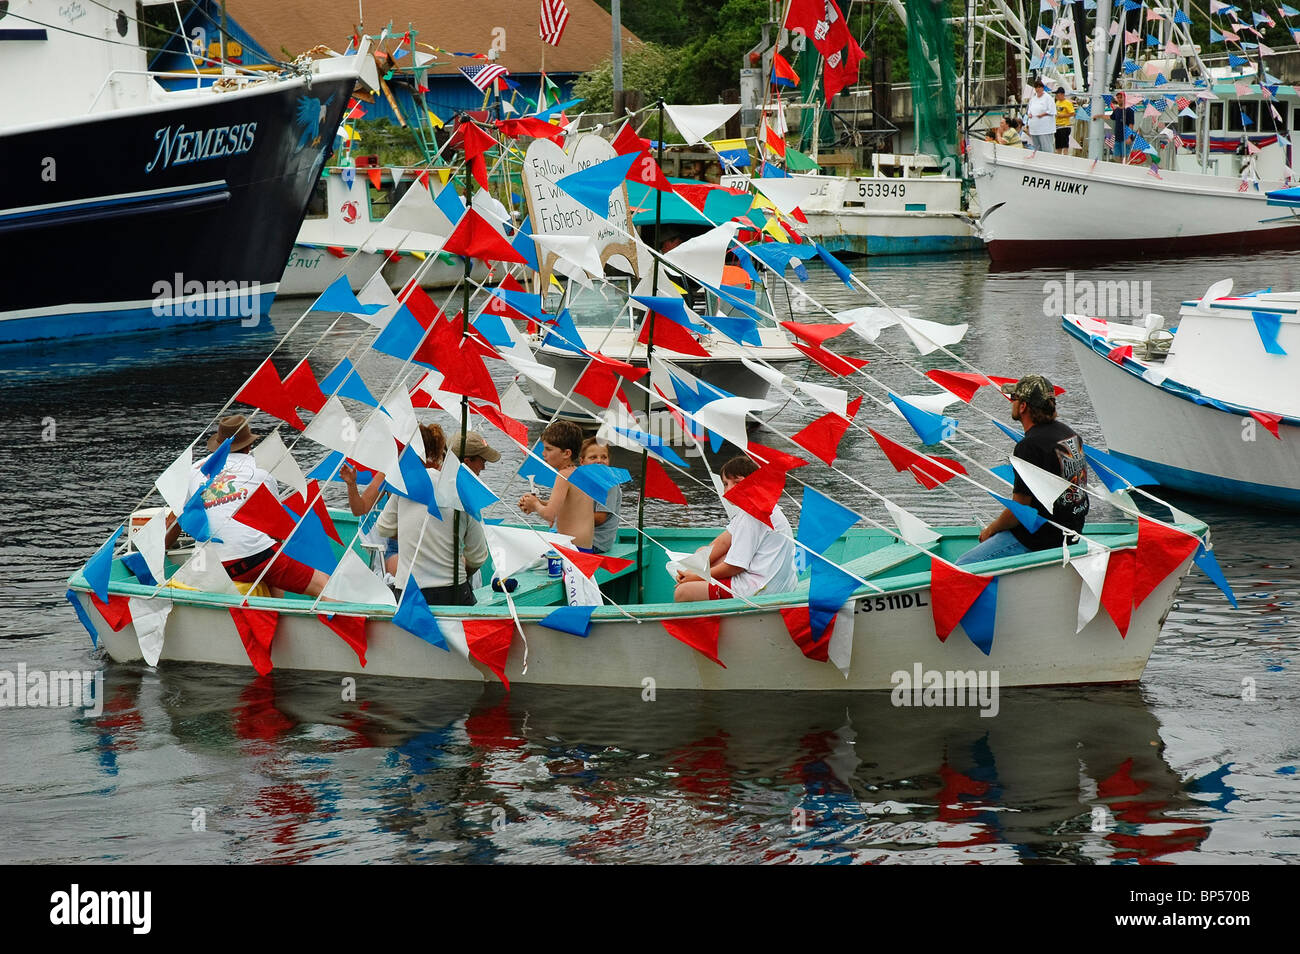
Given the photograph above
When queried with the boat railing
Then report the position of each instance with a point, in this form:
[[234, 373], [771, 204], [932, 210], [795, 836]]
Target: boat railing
[[241, 80]]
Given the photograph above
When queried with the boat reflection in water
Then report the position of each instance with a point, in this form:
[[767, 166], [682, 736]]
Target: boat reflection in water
[[462, 772]]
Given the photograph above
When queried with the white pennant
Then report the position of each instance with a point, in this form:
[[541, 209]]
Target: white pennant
[[929, 336], [174, 482], [273, 457], [703, 257], [532, 370], [773, 377], [333, 427], [911, 528], [1044, 485], [376, 449], [376, 292], [697, 562], [1216, 291], [150, 540], [833, 399], [577, 250], [149, 616], [513, 548], [445, 493], [726, 417], [696, 122], [514, 403], [1092, 571], [786, 193], [934, 403], [353, 582], [404, 425], [203, 571], [840, 650], [869, 321]]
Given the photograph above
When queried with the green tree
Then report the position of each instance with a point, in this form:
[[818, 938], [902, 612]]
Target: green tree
[[647, 67]]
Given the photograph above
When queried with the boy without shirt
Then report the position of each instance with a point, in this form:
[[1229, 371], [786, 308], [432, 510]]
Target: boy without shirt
[[568, 510]]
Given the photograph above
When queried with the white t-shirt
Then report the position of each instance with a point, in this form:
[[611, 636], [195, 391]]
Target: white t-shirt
[[766, 554], [1042, 115], [238, 481], [430, 563]]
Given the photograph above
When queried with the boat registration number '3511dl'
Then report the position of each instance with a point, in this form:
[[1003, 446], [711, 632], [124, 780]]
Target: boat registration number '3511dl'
[[1041, 182], [894, 601]]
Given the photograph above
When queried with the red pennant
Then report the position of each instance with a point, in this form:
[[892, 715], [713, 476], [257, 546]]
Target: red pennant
[[301, 386], [351, 629], [262, 511], [1119, 354], [815, 335], [531, 126], [299, 506], [497, 305], [489, 642], [646, 171], [822, 437], [376, 177], [336, 251], [1270, 421], [116, 612], [836, 364], [1160, 550], [769, 455], [589, 563], [627, 141], [475, 142], [468, 375], [1117, 591], [597, 384], [266, 392], [929, 472], [417, 300], [672, 336], [441, 345], [799, 626], [256, 630], [507, 425], [952, 593], [474, 237], [621, 368], [963, 383], [659, 486], [699, 632], [759, 493]]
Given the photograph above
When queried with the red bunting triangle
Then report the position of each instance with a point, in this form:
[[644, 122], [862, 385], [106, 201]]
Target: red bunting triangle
[[504, 423], [799, 626], [1160, 550], [473, 237], [468, 375], [265, 391], [421, 306], [621, 368], [597, 384], [256, 630], [822, 437], [351, 629], [1117, 591], [815, 335], [116, 612], [299, 506], [489, 642], [376, 177], [952, 593], [963, 383], [836, 364], [441, 344], [769, 455], [699, 632], [759, 493], [1119, 354], [336, 250], [929, 472], [1270, 421], [262, 511], [627, 141], [588, 563], [302, 388], [672, 336], [659, 486], [531, 126]]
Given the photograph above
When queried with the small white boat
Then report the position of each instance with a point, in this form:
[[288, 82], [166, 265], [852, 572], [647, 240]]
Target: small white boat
[[1195, 406]]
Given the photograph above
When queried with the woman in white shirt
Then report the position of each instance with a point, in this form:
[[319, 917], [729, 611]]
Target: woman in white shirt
[[1041, 111]]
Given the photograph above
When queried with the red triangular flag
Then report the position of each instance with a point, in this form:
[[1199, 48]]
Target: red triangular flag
[[302, 388], [627, 141], [669, 334], [351, 629], [799, 626], [116, 612], [1270, 421], [659, 486], [299, 506], [507, 425], [468, 375], [621, 368], [815, 335], [475, 142], [698, 632], [376, 177], [1117, 591], [597, 384], [929, 472], [952, 593], [441, 344], [774, 140], [474, 237], [1119, 354], [417, 300], [256, 630], [963, 383], [759, 493], [262, 511], [337, 251], [1160, 550], [266, 392], [489, 642], [588, 563], [836, 364], [769, 455], [822, 437]]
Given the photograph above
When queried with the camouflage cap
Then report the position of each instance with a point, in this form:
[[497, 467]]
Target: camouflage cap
[[1034, 389]]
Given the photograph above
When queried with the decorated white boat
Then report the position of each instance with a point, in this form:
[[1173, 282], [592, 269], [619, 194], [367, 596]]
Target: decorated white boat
[[1211, 407]]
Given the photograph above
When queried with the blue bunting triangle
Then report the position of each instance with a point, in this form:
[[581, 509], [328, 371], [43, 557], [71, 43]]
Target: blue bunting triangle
[[400, 337], [739, 330], [339, 297], [194, 519], [822, 521], [841, 271], [414, 616], [345, 381], [419, 487], [593, 185], [1210, 567], [828, 590], [981, 619], [654, 444], [449, 201], [217, 459], [1115, 473], [474, 495], [1268, 325], [524, 245], [80, 610], [99, 567], [672, 308], [570, 619], [930, 427], [535, 467], [1029, 518], [597, 480], [310, 544], [562, 333]]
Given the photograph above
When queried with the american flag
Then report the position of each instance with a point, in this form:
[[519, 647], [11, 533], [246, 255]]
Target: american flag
[[1243, 187], [1110, 141], [483, 76], [554, 16]]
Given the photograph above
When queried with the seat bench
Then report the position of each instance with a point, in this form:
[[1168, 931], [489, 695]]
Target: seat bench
[[538, 588]]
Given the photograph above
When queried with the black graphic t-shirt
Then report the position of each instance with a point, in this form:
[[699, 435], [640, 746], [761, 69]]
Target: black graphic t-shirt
[[1058, 450]]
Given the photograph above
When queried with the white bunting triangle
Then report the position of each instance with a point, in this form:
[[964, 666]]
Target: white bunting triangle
[[513, 548], [402, 415], [787, 193], [1092, 571], [203, 571], [696, 122], [911, 528], [150, 540], [1044, 485], [868, 322], [149, 617], [514, 403], [273, 457], [773, 377], [833, 399], [353, 582], [174, 482], [703, 257], [375, 448], [1219, 289], [376, 292], [929, 336], [445, 493], [840, 650], [333, 427], [726, 417]]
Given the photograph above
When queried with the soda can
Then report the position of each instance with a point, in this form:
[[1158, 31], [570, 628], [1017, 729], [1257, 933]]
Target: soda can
[[554, 565]]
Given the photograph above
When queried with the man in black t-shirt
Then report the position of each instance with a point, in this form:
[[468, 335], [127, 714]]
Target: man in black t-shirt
[[1055, 448]]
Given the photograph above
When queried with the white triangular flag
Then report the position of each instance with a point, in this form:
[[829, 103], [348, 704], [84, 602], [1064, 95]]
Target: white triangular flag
[[786, 193], [773, 377], [1179, 516], [1092, 571], [203, 571], [333, 427], [532, 370], [1216, 291], [445, 493], [453, 632], [150, 540], [353, 582], [833, 399], [490, 207], [396, 172], [934, 403], [840, 650], [513, 548], [174, 482], [929, 336], [149, 617], [273, 457], [703, 257], [696, 122], [869, 321], [697, 562], [402, 415], [514, 403], [911, 528], [726, 417], [1044, 485], [376, 449], [376, 292], [579, 251]]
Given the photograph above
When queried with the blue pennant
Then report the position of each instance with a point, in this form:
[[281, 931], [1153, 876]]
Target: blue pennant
[[839, 268], [673, 309], [570, 619], [1268, 325], [99, 567], [310, 544], [217, 459], [474, 495], [535, 467], [557, 108], [138, 565], [597, 480], [523, 302], [194, 519], [774, 172], [742, 253], [690, 401], [1009, 432], [493, 329], [739, 330], [822, 521], [592, 186], [1004, 472], [524, 245], [730, 295], [656, 444], [981, 619], [449, 201], [416, 477], [930, 427], [400, 337], [345, 381], [82, 615], [829, 589], [1029, 518], [413, 615], [562, 333], [1210, 567], [339, 297], [778, 255], [1116, 474]]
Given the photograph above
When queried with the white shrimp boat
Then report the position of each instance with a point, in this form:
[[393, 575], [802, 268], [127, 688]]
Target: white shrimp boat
[[1193, 406]]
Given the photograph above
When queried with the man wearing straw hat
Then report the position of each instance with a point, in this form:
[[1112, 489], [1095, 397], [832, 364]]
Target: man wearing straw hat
[[244, 551]]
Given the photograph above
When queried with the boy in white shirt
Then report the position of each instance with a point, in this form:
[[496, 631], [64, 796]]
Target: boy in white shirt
[[748, 558]]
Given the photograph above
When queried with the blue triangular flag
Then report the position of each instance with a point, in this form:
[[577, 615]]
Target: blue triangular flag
[[413, 615], [592, 186], [138, 565], [339, 297], [194, 519], [1268, 325], [655, 444], [930, 427], [1116, 474], [1210, 567], [401, 336], [557, 108], [777, 255], [493, 329], [597, 480], [731, 296], [690, 401], [1029, 518], [99, 567], [981, 618], [416, 477], [474, 495], [841, 271], [822, 520], [774, 172], [450, 203], [82, 615], [739, 330], [523, 302], [524, 245], [742, 253], [345, 381], [827, 592], [562, 333], [1215, 36], [310, 544], [1004, 472], [217, 459], [570, 619], [537, 468], [1181, 17], [328, 469], [673, 309], [1009, 432]]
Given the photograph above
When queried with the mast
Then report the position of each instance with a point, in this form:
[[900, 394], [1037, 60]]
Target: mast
[[1096, 104], [649, 354], [616, 43]]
